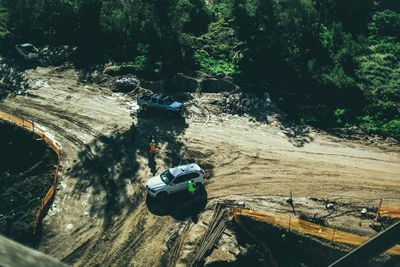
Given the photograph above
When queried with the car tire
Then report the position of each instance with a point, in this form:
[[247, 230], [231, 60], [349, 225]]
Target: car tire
[[161, 195], [199, 186]]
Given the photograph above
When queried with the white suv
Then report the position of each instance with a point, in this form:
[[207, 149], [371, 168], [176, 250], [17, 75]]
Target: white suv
[[174, 180]]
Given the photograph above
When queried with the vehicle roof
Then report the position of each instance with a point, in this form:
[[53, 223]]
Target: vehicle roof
[[25, 44], [181, 169], [162, 96]]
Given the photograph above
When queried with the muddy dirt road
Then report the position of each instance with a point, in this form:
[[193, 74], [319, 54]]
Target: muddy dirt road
[[101, 215]]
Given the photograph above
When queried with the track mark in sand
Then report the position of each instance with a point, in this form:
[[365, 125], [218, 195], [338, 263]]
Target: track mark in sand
[[77, 253], [202, 111], [74, 140], [334, 154], [176, 249]]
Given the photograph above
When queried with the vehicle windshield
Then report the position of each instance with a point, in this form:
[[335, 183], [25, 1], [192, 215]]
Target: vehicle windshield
[[167, 177], [168, 100], [28, 49]]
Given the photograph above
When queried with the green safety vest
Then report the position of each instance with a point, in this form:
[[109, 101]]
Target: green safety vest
[[191, 187]]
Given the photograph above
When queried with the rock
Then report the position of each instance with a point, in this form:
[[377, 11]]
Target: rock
[[364, 211], [330, 206], [126, 84]]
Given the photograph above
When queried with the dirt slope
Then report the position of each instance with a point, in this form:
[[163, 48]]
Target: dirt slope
[[100, 214]]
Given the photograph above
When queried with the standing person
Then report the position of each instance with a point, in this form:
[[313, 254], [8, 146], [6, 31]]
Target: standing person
[[149, 138], [132, 129], [191, 187], [152, 147]]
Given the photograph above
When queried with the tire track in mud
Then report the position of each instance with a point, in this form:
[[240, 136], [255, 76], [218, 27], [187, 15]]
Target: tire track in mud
[[116, 253], [61, 133], [334, 154], [62, 114]]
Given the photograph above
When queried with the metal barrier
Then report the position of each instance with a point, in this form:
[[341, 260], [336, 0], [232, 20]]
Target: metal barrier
[[30, 126], [293, 223]]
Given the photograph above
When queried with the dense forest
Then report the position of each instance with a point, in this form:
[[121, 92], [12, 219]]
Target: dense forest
[[340, 57]]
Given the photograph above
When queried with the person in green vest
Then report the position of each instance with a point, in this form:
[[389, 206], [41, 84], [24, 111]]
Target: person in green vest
[[152, 146], [191, 187]]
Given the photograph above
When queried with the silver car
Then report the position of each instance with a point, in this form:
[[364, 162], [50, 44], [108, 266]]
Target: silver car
[[28, 51], [175, 180]]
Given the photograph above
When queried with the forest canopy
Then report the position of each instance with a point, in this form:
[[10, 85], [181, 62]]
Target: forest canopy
[[340, 57]]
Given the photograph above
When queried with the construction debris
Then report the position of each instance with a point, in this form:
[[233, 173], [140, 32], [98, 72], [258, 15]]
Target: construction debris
[[214, 231]]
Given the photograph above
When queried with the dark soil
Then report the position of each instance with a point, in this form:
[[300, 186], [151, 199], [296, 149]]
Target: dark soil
[[27, 167], [292, 249]]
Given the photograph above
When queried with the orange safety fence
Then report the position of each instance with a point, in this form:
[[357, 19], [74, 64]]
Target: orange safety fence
[[388, 211], [293, 223], [33, 128]]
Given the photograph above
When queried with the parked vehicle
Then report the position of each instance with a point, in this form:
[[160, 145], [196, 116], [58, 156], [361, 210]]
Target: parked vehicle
[[175, 180], [160, 102], [27, 51]]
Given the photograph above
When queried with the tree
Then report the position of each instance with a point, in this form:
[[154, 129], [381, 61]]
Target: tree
[[3, 23], [385, 23]]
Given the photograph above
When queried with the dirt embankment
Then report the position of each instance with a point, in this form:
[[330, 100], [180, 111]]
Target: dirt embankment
[[100, 214], [27, 167]]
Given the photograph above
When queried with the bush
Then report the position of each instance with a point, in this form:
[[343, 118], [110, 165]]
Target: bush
[[343, 117], [316, 115], [392, 129], [214, 65], [372, 125]]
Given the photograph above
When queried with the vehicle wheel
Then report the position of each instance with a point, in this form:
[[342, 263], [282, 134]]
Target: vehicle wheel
[[199, 186], [161, 195]]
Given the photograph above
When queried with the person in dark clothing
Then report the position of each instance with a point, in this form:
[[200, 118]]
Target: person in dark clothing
[[149, 138], [132, 129]]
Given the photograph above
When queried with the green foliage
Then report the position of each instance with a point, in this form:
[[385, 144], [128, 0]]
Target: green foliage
[[123, 67], [392, 128], [388, 128], [317, 115], [194, 16], [343, 53], [343, 117], [3, 22], [385, 23], [142, 62], [214, 65], [379, 72], [383, 118]]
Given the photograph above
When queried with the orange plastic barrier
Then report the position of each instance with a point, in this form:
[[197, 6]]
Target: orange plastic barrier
[[33, 128], [388, 211], [293, 223]]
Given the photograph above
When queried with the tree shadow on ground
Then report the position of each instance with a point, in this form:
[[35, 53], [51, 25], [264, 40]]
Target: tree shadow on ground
[[180, 205], [107, 168], [165, 129], [296, 134], [12, 79]]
